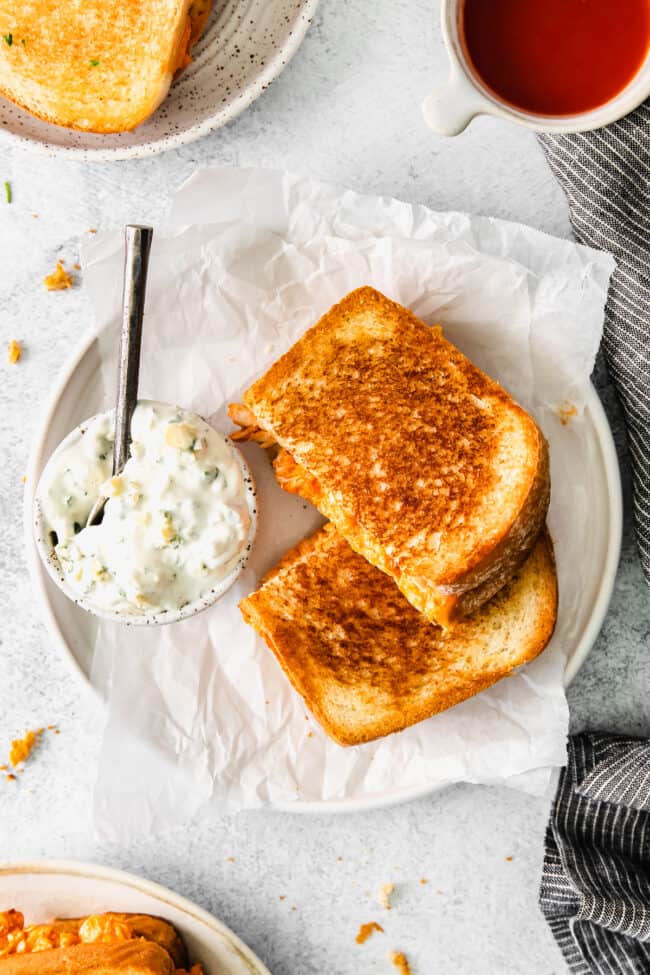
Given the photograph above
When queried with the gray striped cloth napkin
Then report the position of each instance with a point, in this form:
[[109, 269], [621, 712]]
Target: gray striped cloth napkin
[[606, 177], [595, 889]]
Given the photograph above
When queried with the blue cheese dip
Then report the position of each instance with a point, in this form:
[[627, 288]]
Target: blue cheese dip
[[176, 522]]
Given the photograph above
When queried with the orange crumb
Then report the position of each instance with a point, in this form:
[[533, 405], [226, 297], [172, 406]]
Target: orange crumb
[[384, 896], [340, 859], [283, 897], [423, 880], [400, 962], [92, 230], [509, 859], [366, 930], [59, 279], [10, 777], [56, 731], [230, 859], [3, 768], [565, 411], [14, 351], [51, 727], [21, 748], [77, 267], [310, 734]]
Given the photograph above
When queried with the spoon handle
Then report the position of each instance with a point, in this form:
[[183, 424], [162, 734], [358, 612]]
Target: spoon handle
[[136, 262]]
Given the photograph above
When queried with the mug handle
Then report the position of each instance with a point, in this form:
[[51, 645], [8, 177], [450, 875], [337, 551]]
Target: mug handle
[[449, 110]]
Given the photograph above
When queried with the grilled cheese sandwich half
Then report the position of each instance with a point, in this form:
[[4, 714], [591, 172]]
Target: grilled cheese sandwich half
[[96, 66], [425, 465], [366, 662]]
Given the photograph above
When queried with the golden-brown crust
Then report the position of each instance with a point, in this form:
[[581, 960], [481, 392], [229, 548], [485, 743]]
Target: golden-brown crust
[[75, 66], [147, 926], [426, 466], [137, 957], [365, 662]]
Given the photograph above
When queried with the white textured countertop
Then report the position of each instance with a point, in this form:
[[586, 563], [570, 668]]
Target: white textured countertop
[[347, 110]]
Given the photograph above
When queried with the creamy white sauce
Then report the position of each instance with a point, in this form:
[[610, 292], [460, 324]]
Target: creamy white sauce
[[176, 521]]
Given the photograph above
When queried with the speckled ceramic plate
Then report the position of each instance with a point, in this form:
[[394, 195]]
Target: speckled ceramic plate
[[246, 45], [44, 889]]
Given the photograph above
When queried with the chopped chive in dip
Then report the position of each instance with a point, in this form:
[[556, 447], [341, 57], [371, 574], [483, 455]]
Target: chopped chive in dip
[[8, 39], [94, 62], [8, 193]]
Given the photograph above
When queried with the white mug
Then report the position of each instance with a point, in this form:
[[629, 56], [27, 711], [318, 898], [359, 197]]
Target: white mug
[[450, 110]]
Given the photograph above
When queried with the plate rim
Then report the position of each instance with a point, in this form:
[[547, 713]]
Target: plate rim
[[37, 574], [272, 70], [95, 871]]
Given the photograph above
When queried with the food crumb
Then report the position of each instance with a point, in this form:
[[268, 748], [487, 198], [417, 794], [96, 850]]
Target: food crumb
[[24, 478], [293, 907], [339, 859], [59, 279], [509, 859], [21, 748], [3, 768], [230, 859], [283, 897], [310, 734], [77, 267], [14, 352], [10, 777], [400, 962], [565, 411], [423, 880], [8, 194], [384, 896], [366, 930], [438, 891], [92, 230]]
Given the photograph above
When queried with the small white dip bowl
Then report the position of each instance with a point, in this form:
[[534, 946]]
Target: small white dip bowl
[[45, 547]]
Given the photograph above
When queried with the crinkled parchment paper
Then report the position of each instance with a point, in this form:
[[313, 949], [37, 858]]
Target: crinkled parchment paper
[[199, 712]]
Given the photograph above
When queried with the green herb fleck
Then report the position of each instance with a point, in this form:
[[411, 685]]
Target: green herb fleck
[[8, 193], [8, 39], [23, 41], [94, 62], [68, 500]]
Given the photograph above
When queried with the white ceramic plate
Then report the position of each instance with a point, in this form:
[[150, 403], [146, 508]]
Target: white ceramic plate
[[73, 631], [246, 45], [44, 889]]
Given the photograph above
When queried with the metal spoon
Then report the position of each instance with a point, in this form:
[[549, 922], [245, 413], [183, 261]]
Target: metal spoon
[[136, 262]]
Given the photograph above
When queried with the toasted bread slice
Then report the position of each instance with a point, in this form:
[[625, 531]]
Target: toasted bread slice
[[126, 958], [96, 65], [428, 468], [146, 926], [368, 664]]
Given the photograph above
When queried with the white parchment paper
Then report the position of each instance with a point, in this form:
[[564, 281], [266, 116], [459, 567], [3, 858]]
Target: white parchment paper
[[199, 712]]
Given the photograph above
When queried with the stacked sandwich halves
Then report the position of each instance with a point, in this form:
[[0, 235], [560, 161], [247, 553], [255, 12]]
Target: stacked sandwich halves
[[435, 576]]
